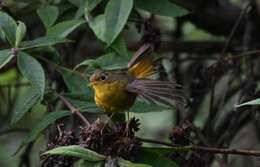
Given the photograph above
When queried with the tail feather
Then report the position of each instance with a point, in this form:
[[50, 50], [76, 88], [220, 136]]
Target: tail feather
[[155, 91]]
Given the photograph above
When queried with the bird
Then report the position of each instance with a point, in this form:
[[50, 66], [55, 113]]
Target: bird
[[116, 90]]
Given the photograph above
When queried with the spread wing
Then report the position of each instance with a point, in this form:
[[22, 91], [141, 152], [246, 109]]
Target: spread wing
[[154, 91], [144, 51], [141, 65]]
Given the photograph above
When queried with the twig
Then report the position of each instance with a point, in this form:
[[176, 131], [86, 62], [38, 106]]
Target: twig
[[243, 12], [73, 109], [56, 66], [211, 150]]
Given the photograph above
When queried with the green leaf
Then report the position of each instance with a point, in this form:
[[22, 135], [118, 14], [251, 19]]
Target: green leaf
[[250, 103], [8, 26], [91, 4], [5, 57], [108, 61], [75, 82], [80, 4], [116, 15], [76, 2], [64, 28], [42, 42], [24, 103], [44, 123], [97, 25], [2, 35], [119, 46], [125, 163], [77, 151], [48, 15], [20, 33], [143, 107], [32, 70], [90, 63], [154, 159], [80, 12], [84, 163], [85, 104], [162, 7]]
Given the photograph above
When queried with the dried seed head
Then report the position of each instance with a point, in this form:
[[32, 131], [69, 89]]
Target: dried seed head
[[120, 141], [93, 136], [181, 135], [64, 138]]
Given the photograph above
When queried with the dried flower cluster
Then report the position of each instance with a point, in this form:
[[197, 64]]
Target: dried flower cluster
[[181, 136], [117, 141], [64, 138]]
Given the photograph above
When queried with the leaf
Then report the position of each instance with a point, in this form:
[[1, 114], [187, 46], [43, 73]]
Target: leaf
[[116, 15], [76, 2], [74, 82], [8, 26], [64, 28], [48, 15], [32, 70], [125, 163], [250, 103], [108, 61], [2, 35], [162, 7], [5, 57], [77, 151], [91, 4], [80, 11], [84, 105], [143, 107], [24, 103], [80, 4], [90, 63], [84, 163], [119, 46], [20, 33], [44, 123], [154, 159], [43, 41], [97, 25]]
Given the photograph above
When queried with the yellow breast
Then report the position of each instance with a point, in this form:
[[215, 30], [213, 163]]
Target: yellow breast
[[113, 97]]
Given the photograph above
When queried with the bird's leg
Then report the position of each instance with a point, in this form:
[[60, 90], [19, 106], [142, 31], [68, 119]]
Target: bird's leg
[[127, 124], [105, 125]]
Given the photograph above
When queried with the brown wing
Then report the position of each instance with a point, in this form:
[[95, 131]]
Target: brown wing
[[154, 91], [140, 54], [141, 65]]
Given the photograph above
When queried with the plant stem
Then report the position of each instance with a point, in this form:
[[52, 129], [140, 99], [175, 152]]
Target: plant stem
[[73, 109], [211, 150]]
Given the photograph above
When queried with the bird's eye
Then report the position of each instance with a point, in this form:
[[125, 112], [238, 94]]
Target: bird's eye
[[103, 76]]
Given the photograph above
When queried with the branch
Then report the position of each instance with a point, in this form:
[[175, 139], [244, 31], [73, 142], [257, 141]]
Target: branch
[[74, 110], [211, 150]]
